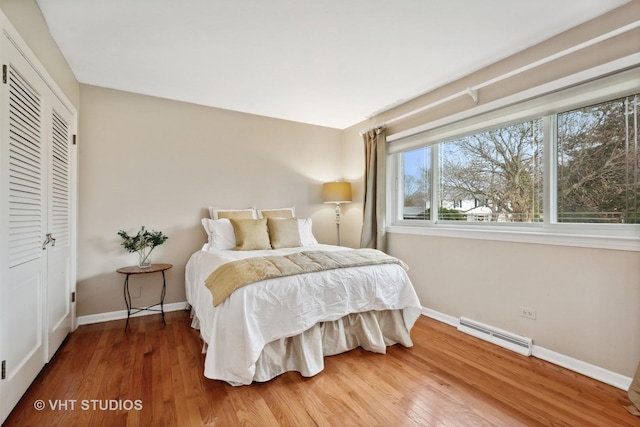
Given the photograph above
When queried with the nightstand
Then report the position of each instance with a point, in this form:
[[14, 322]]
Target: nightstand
[[134, 269]]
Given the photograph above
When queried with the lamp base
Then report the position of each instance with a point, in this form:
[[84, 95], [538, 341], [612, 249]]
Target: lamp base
[[338, 214]]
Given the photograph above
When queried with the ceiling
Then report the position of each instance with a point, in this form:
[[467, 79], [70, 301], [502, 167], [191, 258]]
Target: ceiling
[[332, 63]]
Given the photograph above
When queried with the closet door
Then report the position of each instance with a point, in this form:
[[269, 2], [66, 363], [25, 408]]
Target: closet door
[[58, 248], [23, 213]]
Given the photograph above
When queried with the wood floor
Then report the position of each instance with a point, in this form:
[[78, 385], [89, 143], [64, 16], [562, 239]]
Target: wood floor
[[152, 376]]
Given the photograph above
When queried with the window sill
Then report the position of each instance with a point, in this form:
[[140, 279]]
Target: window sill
[[529, 235]]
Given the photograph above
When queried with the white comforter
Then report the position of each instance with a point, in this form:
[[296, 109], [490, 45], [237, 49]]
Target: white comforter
[[255, 315]]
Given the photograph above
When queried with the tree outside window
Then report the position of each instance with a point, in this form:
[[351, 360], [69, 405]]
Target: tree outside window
[[497, 174], [598, 163]]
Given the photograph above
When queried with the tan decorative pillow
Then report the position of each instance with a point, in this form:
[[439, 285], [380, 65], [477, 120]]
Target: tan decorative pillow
[[277, 213], [251, 234], [284, 233]]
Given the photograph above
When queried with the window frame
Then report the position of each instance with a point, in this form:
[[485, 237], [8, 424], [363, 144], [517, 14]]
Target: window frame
[[549, 231]]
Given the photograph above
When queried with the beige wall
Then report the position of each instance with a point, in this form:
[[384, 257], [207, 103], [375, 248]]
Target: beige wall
[[160, 163], [587, 300]]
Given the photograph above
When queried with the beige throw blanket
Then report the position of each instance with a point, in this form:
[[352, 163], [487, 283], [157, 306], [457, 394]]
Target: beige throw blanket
[[233, 275]]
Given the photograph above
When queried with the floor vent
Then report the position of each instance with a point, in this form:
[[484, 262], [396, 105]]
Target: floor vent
[[513, 342]]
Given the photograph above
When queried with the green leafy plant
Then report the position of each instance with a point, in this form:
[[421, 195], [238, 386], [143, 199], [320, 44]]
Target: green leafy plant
[[143, 243]]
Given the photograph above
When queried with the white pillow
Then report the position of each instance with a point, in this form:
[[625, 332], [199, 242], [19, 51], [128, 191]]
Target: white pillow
[[220, 233], [306, 234], [249, 213], [205, 224]]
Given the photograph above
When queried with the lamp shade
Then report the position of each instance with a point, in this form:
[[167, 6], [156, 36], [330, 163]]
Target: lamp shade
[[336, 192]]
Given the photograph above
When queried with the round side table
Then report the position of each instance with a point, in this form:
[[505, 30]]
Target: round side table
[[134, 269]]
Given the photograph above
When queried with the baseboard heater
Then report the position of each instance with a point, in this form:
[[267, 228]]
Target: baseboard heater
[[508, 340]]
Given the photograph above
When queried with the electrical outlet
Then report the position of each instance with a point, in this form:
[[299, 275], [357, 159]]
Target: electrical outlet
[[528, 313], [135, 291]]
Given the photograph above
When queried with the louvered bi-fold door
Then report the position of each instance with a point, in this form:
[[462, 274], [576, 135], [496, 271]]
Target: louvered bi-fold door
[[59, 227], [23, 221], [35, 204]]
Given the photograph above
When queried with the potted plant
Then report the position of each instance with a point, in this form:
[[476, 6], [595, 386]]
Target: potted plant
[[142, 243]]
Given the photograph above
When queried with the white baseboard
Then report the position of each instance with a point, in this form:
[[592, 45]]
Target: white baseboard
[[122, 314], [597, 373], [584, 368], [444, 318]]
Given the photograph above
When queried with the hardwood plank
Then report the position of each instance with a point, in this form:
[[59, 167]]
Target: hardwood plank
[[446, 379]]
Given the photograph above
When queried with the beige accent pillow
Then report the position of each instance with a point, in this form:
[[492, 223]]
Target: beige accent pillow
[[277, 213], [284, 233], [244, 214], [251, 234]]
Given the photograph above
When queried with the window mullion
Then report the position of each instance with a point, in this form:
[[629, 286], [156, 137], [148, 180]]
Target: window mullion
[[550, 169], [435, 183], [395, 184]]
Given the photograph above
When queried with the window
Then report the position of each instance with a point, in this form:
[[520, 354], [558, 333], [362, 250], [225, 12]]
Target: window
[[495, 175], [598, 163], [569, 168], [417, 184]]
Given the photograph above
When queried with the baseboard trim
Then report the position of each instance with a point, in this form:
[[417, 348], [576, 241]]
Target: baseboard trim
[[444, 318], [597, 373], [122, 314], [592, 371]]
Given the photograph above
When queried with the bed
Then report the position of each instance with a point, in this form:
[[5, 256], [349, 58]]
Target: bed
[[291, 323]]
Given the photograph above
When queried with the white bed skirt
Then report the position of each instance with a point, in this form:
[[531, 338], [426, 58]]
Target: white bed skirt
[[304, 353]]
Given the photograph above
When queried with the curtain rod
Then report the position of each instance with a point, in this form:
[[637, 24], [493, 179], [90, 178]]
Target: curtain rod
[[473, 91], [380, 126]]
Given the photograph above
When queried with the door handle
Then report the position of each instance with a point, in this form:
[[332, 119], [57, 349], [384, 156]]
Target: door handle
[[49, 239]]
